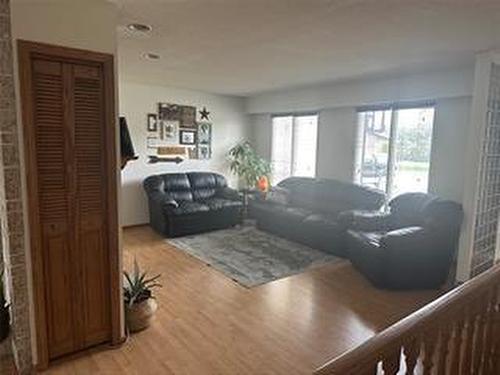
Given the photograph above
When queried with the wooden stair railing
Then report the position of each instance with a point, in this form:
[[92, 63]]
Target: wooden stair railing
[[457, 334]]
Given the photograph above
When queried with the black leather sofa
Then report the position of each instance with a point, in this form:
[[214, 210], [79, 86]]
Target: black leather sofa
[[188, 203], [410, 247], [310, 213]]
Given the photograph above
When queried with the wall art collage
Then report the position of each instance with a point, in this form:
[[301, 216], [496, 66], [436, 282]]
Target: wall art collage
[[175, 132]]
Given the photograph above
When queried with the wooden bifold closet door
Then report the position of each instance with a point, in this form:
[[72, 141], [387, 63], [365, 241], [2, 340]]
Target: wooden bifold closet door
[[68, 110]]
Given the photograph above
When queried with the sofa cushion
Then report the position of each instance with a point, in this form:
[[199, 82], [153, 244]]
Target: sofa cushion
[[205, 185], [296, 214], [321, 231], [278, 195], [331, 196], [325, 221], [263, 210], [174, 186], [338, 196], [408, 209], [221, 203], [186, 208]]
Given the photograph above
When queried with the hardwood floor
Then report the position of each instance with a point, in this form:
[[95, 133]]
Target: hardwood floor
[[208, 324]]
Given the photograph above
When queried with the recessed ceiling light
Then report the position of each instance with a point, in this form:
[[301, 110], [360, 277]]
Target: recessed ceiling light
[[151, 56], [140, 27]]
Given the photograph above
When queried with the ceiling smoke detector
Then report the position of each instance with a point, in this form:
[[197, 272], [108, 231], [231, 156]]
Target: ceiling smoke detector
[[139, 27], [151, 56]]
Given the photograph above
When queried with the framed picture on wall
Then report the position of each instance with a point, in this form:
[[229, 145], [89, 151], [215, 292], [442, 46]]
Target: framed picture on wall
[[204, 133], [188, 116], [152, 123], [152, 142], [193, 153], [170, 130], [187, 137], [204, 152], [169, 112]]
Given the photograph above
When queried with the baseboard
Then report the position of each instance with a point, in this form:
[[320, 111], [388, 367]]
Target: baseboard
[[134, 226]]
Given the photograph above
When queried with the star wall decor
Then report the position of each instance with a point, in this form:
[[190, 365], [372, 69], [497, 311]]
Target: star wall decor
[[204, 113]]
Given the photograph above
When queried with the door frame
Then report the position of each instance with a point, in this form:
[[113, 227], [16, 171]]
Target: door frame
[[26, 51]]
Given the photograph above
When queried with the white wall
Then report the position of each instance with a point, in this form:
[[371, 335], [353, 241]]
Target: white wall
[[451, 131], [261, 134], [89, 24], [431, 85], [336, 143], [136, 101]]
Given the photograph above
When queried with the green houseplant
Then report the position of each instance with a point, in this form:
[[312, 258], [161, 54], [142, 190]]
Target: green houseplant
[[4, 311], [247, 164], [140, 304]]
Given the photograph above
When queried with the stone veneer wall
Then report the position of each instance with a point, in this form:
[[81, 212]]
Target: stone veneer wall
[[11, 202]]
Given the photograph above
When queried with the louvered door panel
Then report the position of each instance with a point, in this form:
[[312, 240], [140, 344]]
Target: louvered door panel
[[54, 207], [68, 118], [90, 202]]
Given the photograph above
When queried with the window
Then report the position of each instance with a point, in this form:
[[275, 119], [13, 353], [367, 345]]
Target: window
[[394, 148], [294, 143]]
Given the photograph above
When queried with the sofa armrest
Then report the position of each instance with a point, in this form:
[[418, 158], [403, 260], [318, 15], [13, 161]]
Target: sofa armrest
[[170, 203], [368, 221], [161, 199], [228, 193], [407, 242], [258, 196]]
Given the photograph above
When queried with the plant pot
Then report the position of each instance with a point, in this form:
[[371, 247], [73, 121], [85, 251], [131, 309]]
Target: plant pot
[[4, 324], [140, 315]]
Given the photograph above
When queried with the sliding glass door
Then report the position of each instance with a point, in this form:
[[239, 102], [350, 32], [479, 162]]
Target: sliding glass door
[[412, 150], [282, 142], [375, 131], [294, 143], [394, 149]]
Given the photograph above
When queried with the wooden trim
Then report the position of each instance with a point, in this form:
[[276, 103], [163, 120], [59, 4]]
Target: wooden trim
[[26, 51], [27, 109], [112, 200], [67, 54], [135, 225]]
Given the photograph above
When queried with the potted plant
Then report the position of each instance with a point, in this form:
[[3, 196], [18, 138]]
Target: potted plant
[[140, 304], [4, 311], [248, 165]]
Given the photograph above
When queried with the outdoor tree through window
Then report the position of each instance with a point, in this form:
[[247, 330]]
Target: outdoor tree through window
[[394, 149], [294, 144]]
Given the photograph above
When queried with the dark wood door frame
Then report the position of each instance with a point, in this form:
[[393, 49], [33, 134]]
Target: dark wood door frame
[[26, 52]]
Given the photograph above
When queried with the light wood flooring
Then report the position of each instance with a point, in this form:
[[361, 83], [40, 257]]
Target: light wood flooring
[[209, 325]]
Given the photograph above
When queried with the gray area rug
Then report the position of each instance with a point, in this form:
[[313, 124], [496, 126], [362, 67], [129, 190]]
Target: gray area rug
[[249, 256]]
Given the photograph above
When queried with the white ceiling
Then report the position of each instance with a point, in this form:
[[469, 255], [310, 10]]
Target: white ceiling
[[244, 47]]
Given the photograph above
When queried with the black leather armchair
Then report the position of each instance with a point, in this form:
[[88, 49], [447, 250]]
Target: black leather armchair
[[410, 247], [187, 203]]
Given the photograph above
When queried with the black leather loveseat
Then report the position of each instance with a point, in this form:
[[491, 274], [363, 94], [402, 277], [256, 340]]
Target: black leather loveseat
[[187, 203], [410, 247], [309, 210]]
